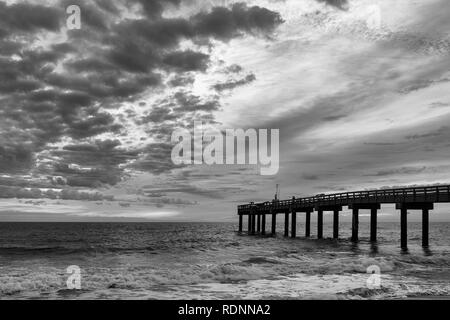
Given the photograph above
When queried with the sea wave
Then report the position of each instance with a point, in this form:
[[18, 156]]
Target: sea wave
[[210, 261]]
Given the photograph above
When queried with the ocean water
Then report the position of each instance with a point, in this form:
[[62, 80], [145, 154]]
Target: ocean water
[[212, 261]]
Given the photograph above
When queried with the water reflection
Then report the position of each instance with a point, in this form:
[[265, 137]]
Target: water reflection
[[427, 251]]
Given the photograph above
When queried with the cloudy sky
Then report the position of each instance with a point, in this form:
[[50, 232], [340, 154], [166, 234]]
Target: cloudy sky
[[86, 115]]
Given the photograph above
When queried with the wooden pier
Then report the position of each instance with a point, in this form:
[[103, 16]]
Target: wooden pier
[[405, 199]]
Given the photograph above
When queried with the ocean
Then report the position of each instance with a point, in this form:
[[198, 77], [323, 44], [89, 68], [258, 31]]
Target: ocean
[[212, 261]]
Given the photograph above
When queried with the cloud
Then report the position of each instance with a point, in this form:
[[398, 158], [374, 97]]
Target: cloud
[[71, 93], [402, 170], [334, 117], [341, 4], [229, 85], [8, 192], [187, 102], [155, 158], [15, 158], [308, 176], [213, 193], [435, 133], [161, 202], [181, 80], [224, 24], [90, 164], [27, 17], [154, 8], [187, 60]]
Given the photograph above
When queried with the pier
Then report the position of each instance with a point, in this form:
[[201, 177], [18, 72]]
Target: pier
[[405, 199]]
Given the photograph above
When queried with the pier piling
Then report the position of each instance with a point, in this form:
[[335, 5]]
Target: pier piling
[[355, 224], [308, 224], [335, 209], [404, 207], [425, 227], [253, 223], [373, 225], [335, 224], [319, 224], [286, 224], [274, 223], [294, 224], [263, 224], [404, 227]]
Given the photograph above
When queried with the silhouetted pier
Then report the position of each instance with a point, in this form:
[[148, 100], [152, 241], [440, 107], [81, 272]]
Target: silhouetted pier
[[414, 198]]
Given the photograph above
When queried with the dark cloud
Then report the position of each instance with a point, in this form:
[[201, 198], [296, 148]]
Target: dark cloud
[[341, 4], [309, 176], [435, 105], [8, 192], [160, 33], [154, 8], [181, 81], [224, 24], [421, 84], [155, 158], [92, 126], [334, 117], [161, 202], [70, 91], [235, 68], [187, 102], [229, 85], [187, 60], [90, 164], [194, 190], [401, 171], [381, 143], [159, 114], [15, 158], [435, 133], [26, 17]]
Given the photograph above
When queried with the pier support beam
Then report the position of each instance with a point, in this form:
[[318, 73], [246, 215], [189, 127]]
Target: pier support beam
[[320, 209], [308, 224], [263, 224], [253, 223], [294, 224], [404, 227], [240, 223], [335, 224], [249, 221], [355, 224], [320, 224], [274, 223], [373, 225], [404, 207], [258, 224], [425, 227], [373, 207], [286, 224], [307, 211]]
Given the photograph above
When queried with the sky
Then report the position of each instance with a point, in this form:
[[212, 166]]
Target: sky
[[358, 89]]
